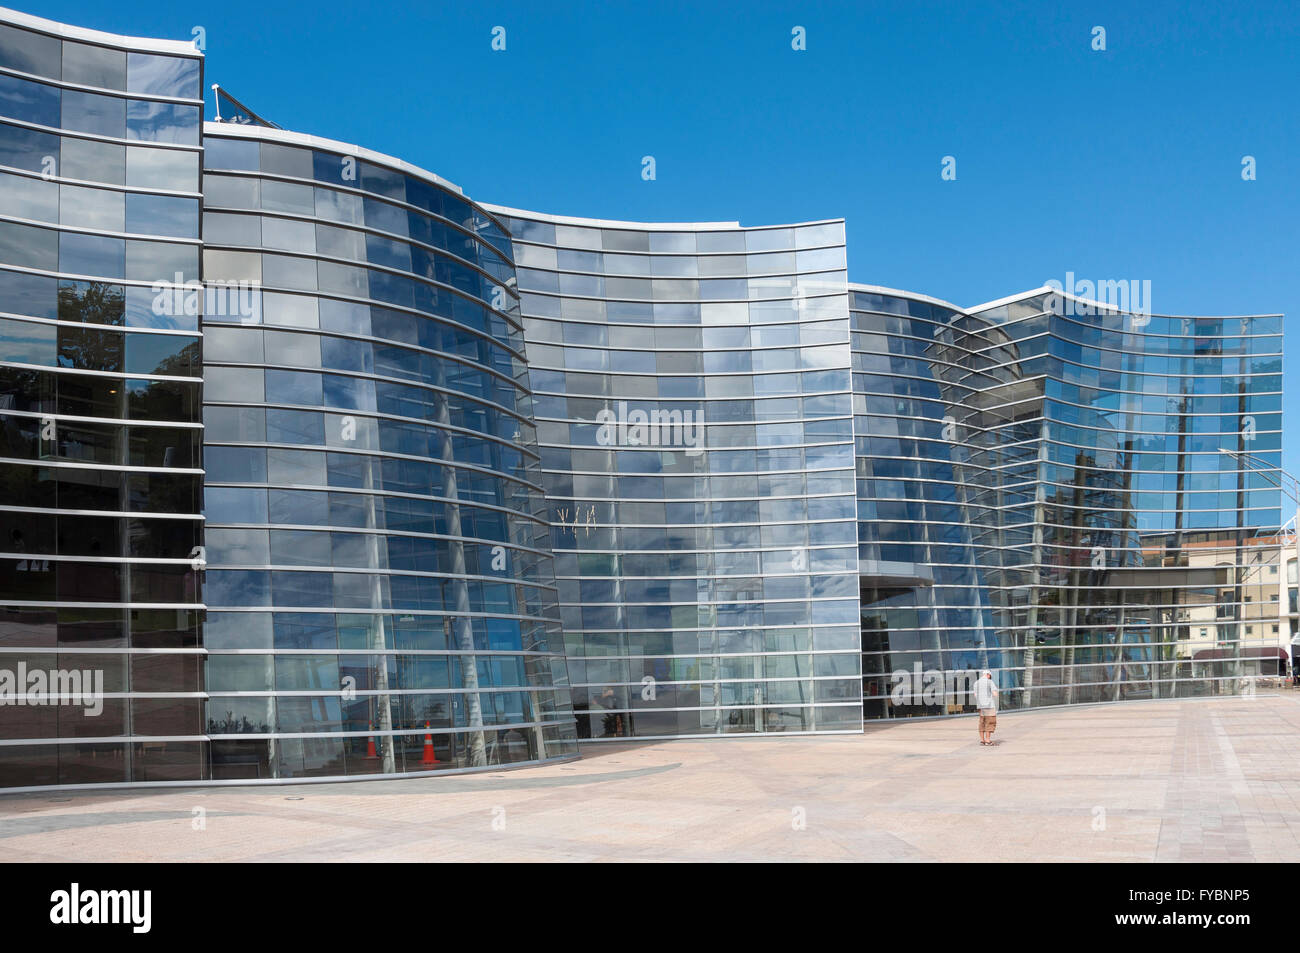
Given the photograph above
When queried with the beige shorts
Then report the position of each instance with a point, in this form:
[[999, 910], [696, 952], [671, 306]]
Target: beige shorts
[[988, 722]]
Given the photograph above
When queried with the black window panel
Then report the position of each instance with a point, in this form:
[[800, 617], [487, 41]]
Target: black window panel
[[383, 181], [162, 538], [165, 628], [163, 400], [75, 722], [167, 760], [29, 764], [32, 580], [33, 533], [100, 629], [90, 349], [167, 716], [163, 447], [90, 536], [30, 721], [28, 626], [168, 354], [89, 489], [92, 302], [164, 493], [91, 763], [230, 760], [28, 390], [89, 582], [85, 396], [23, 485], [166, 673], [19, 437], [89, 443], [162, 583]]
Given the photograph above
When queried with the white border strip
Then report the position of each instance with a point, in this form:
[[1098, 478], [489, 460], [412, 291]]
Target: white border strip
[[647, 226]]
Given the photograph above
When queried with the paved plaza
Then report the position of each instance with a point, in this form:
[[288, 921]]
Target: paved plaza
[[1202, 780]]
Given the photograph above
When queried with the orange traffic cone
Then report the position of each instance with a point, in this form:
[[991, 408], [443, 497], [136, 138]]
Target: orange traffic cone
[[370, 746], [429, 756]]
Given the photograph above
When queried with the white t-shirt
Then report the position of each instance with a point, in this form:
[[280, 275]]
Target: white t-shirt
[[985, 697]]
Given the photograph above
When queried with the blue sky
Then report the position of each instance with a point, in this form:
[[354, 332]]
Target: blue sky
[[1112, 165]]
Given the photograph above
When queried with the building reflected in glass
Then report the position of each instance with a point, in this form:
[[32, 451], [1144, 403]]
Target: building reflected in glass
[[379, 589], [100, 442], [694, 414], [1096, 542], [924, 526], [1135, 558], [312, 467]]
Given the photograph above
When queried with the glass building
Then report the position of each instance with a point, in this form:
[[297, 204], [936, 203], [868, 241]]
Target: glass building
[[1133, 462], [100, 440], [920, 366], [1046, 480], [311, 467], [379, 588], [693, 409]]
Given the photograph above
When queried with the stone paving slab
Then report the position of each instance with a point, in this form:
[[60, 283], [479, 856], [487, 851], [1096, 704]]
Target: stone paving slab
[[1195, 780]]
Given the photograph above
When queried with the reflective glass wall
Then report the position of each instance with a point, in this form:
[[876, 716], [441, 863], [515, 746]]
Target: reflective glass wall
[[695, 420], [1105, 546], [1136, 558], [927, 624], [380, 592], [100, 440], [776, 502]]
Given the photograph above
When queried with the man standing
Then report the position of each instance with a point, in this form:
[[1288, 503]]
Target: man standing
[[986, 700]]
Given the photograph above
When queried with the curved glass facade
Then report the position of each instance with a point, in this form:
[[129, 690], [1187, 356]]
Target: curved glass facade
[[100, 441], [311, 467], [1095, 542], [380, 595], [695, 422], [921, 524], [1136, 558]]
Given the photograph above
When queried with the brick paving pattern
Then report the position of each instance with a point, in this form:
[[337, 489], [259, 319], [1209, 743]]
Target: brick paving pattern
[[1197, 780]]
